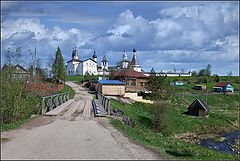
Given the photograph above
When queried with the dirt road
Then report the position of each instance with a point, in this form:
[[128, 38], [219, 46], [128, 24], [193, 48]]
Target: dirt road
[[74, 134]]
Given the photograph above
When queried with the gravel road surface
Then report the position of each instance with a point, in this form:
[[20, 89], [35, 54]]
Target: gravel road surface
[[73, 134]]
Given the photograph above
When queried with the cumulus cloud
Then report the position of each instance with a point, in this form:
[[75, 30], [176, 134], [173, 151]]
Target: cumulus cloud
[[182, 36]]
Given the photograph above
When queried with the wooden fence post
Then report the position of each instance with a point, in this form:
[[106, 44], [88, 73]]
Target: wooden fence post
[[43, 105], [108, 107]]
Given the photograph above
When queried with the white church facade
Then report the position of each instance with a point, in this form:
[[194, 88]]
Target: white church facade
[[127, 64], [76, 66], [79, 67]]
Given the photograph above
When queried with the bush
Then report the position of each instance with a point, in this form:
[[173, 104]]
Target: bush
[[162, 119], [15, 105]]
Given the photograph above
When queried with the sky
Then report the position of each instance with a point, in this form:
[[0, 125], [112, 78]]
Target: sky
[[166, 35]]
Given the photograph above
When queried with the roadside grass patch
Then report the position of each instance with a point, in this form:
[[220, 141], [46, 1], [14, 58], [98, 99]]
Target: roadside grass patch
[[173, 148], [6, 127], [4, 139], [68, 89]]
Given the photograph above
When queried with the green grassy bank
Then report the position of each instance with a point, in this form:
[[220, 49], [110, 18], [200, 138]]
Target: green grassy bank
[[223, 115]]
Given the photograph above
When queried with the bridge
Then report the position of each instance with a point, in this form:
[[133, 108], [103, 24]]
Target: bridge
[[70, 131]]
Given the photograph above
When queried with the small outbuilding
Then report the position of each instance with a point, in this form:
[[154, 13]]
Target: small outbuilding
[[198, 108], [179, 83], [225, 87], [111, 87], [200, 87]]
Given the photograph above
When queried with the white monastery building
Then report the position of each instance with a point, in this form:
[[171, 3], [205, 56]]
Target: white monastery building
[[90, 65], [79, 67]]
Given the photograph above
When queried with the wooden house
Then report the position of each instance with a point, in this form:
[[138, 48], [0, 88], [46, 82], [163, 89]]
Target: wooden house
[[111, 87], [198, 108], [178, 83], [225, 87], [200, 87], [18, 71], [135, 81]]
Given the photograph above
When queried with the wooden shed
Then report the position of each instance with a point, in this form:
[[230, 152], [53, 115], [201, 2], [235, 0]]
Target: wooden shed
[[111, 87], [200, 87], [198, 108]]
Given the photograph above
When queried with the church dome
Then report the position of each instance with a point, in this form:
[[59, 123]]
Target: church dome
[[94, 55]]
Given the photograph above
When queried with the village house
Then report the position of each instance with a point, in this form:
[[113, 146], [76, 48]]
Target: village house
[[135, 81], [225, 87], [18, 71], [200, 87]]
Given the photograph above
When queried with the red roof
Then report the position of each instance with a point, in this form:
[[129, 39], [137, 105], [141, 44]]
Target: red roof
[[130, 73], [74, 60], [224, 84]]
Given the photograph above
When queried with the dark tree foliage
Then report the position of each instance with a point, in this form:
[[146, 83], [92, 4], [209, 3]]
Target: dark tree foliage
[[205, 72], [208, 70], [216, 78], [111, 74], [58, 66], [162, 118], [160, 87], [194, 73]]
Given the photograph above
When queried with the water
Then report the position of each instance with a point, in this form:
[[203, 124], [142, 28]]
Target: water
[[224, 146]]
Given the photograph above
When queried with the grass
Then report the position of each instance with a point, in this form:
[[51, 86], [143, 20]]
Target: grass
[[75, 78], [68, 89], [218, 139], [224, 111], [6, 127], [4, 139], [33, 100]]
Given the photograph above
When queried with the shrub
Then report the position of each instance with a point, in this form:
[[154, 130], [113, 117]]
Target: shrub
[[162, 119]]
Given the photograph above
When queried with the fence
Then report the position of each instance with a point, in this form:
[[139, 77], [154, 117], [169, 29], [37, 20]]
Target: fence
[[51, 102]]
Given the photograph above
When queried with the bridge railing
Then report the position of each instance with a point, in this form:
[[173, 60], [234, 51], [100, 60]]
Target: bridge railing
[[105, 101], [51, 102]]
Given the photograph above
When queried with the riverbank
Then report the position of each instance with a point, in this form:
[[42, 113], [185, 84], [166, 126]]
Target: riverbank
[[223, 118]]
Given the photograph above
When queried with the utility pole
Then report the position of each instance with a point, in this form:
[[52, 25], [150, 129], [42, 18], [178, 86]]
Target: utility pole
[[35, 66], [206, 95]]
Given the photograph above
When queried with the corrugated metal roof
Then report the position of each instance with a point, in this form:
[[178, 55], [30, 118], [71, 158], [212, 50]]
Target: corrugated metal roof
[[224, 84], [130, 73], [110, 82]]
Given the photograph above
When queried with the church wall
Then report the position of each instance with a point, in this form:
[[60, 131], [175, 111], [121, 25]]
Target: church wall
[[90, 66]]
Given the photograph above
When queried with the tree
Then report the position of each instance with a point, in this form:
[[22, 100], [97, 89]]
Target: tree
[[208, 70], [111, 74], [194, 73], [162, 118], [58, 66], [13, 58], [229, 74], [202, 72], [50, 65], [174, 70], [153, 73], [216, 78], [160, 87], [182, 70]]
